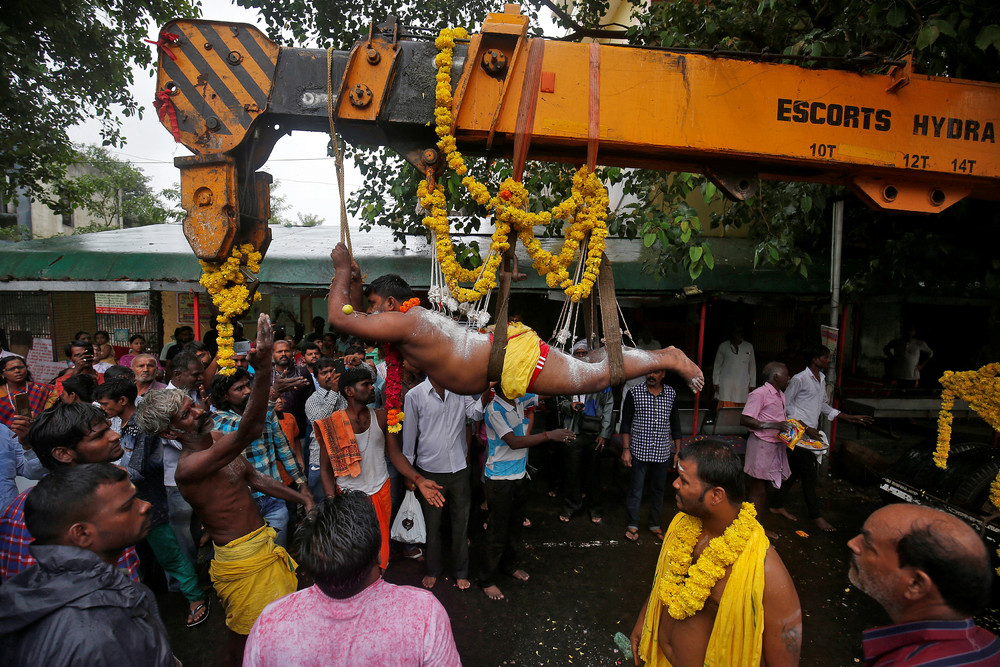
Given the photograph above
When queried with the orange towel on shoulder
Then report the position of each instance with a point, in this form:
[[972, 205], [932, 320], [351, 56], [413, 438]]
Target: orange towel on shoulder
[[336, 435]]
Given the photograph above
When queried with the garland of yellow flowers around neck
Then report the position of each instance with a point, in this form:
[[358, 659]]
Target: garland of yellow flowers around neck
[[231, 296], [684, 588], [982, 391], [587, 206]]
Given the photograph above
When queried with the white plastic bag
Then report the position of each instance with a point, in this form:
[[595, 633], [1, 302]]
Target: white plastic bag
[[409, 527]]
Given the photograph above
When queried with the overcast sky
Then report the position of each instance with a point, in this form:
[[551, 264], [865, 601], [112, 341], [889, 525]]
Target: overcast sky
[[299, 161]]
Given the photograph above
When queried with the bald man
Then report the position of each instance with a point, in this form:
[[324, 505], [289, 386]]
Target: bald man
[[931, 572]]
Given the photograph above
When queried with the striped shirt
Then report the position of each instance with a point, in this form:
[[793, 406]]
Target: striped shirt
[[502, 418], [931, 644], [268, 451], [651, 422], [15, 538]]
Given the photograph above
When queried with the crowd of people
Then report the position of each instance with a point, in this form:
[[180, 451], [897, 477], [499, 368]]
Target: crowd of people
[[286, 474]]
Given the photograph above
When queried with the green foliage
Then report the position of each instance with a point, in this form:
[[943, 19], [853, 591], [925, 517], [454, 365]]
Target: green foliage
[[111, 189], [15, 233], [308, 220], [279, 207], [60, 64]]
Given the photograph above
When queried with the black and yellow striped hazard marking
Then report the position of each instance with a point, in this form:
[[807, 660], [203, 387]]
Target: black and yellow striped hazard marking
[[219, 81]]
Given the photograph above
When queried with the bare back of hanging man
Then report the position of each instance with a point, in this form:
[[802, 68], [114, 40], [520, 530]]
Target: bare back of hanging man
[[457, 358]]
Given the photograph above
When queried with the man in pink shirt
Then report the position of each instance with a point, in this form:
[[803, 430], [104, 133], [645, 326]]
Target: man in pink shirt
[[349, 616], [764, 415]]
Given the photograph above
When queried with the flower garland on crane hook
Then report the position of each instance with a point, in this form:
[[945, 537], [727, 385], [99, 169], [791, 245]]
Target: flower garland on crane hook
[[587, 208], [227, 284]]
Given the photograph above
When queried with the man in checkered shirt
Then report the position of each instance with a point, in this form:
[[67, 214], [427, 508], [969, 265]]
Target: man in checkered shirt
[[66, 434], [649, 427]]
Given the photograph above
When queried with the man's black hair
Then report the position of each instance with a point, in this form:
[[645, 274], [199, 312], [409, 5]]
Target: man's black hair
[[178, 330], [195, 346], [116, 390], [390, 285], [82, 386], [62, 425], [353, 375], [815, 352], [339, 543], [325, 362], [221, 385], [718, 465], [66, 496], [305, 347], [183, 360], [77, 343], [962, 578], [354, 349], [76, 336], [117, 372]]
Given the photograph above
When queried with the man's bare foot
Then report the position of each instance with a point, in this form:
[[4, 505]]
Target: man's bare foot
[[681, 364], [783, 512], [521, 575], [463, 584], [823, 524], [493, 593], [428, 581], [771, 535]]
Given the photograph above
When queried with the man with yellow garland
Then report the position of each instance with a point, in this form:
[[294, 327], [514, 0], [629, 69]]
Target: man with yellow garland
[[721, 595], [457, 358]]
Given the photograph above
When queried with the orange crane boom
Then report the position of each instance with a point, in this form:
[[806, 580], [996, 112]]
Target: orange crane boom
[[901, 141]]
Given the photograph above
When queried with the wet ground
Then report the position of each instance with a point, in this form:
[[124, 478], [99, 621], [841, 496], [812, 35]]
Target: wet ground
[[588, 582]]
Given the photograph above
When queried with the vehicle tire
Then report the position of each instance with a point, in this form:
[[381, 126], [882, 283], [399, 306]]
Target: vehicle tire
[[974, 493]]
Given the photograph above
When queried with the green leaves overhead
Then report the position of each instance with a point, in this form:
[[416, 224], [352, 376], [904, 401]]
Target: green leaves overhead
[[62, 63]]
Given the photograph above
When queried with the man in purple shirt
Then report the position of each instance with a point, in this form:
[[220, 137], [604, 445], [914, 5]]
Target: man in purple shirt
[[767, 456], [931, 572]]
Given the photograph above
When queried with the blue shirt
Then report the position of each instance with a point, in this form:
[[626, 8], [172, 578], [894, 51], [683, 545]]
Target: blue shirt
[[502, 418], [12, 464]]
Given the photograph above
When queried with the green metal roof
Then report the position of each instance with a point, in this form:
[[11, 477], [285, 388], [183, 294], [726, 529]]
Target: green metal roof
[[299, 258]]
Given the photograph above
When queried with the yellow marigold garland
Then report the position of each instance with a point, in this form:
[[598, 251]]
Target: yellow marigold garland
[[587, 206], [684, 588], [981, 389], [231, 296]]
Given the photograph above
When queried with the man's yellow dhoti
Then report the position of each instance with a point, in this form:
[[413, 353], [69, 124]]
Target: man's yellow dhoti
[[249, 573], [523, 361], [737, 638]]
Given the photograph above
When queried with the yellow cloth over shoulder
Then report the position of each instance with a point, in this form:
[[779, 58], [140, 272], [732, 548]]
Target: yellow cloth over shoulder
[[737, 638], [520, 360], [250, 573]]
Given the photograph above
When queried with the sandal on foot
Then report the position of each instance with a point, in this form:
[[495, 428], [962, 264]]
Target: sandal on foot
[[632, 534], [194, 619], [595, 518], [657, 533], [564, 517]]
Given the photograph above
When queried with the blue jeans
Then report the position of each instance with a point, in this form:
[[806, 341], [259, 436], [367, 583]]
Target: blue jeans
[[316, 484], [657, 473], [275, 514]]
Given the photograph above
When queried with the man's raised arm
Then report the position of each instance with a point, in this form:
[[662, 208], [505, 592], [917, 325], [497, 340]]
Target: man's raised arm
[[345, 290], [255, 415]]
